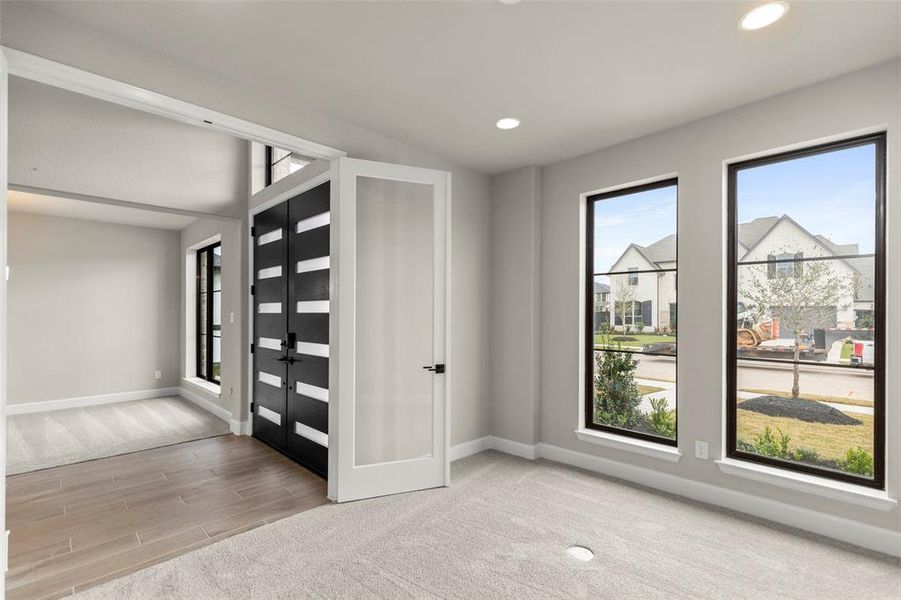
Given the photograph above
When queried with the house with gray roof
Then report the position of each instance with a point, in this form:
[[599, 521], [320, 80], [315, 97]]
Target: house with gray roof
[[646, 300]]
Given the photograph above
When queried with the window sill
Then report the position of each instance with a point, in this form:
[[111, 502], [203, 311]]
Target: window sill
[[204, 385], [621, 442], [810, 484]]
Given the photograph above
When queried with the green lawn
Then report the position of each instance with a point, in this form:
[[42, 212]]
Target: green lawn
[[641, 340]]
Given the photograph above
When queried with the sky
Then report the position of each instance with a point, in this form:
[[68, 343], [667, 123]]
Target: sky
[[832, 194]]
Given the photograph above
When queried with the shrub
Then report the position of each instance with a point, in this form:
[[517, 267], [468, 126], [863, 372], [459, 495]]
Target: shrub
[[857, 460], [769, 444], [662, 419], [807, 455], [616, 398]]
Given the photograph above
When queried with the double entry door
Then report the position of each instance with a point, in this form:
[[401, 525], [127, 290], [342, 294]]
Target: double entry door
[[291, 327]]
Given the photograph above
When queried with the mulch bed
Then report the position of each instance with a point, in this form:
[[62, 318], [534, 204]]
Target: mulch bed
[[804, 410]]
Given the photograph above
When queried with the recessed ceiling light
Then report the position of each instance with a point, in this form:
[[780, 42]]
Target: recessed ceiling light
[[507, 123], [763, 15], [580, 553], [509, 1]]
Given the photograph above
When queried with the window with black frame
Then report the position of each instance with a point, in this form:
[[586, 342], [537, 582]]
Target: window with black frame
[[281, 163], [807, 312], [209, 313], [630, 353]]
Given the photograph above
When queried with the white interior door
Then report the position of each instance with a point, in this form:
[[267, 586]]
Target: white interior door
[[388, 422]]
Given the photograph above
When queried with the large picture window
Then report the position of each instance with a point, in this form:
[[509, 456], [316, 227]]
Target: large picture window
[[209, 313], [806, 310], [630, 350]]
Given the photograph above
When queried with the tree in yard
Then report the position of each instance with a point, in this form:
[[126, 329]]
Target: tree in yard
[[803, 297], [625, 296]]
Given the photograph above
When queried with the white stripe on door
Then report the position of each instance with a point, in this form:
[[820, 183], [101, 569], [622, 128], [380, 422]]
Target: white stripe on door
[[314, 222], [312, 391], [313, 306], [273, 380], [270, 272], [314, 435], [313, 264], [269, 415], [270, 307], [312, 349], [269, 236], [269, 343]]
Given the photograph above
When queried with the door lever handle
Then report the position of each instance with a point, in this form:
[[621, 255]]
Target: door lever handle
[[439, 368]]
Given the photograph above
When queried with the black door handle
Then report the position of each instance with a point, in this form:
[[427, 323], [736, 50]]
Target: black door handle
[[439, 368], [288, 359]]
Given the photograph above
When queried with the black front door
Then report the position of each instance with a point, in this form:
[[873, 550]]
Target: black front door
[[308, 326], [291, 327], [270, 325]]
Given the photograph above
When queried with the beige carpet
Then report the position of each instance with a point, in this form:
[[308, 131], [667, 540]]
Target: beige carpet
[[61, 437], [501, 531]]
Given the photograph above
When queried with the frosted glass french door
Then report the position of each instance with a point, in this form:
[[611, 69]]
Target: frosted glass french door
[[393, 286]]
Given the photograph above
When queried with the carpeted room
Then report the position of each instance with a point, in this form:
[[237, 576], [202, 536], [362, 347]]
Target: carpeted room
[[644, 382]]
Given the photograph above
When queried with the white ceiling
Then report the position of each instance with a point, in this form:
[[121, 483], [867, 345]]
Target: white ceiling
[[55, 206], [63, 141], [437, 75]]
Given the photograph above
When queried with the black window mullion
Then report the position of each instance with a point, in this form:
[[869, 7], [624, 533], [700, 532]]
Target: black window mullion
[[205, 334], [209, 315]]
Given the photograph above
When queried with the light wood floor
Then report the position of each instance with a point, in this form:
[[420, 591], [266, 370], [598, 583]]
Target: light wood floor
[[80, 525]]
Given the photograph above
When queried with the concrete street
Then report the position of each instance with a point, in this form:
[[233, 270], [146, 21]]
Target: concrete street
[[824, 381]]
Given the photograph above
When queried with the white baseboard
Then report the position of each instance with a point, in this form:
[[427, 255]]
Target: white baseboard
[[519, 449], [845, 530], [205, 404], [81, 401], [239, 427], [469, 448]]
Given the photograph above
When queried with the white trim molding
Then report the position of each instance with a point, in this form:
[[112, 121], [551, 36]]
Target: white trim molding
[[69, 78], [860, 534], [490, 442], [464, 449], [810, 484], [80, 401], [627, 444]]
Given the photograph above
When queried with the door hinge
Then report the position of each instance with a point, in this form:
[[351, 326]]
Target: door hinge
[[253, 290], [252, 407], [251, 348], [253, 232]]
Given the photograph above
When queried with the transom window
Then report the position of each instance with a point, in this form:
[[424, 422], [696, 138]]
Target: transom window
[[209, 313], [807, 310], [630, 351], [282, 163]]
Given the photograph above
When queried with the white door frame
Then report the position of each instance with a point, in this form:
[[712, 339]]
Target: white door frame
[[4, 535], [342, 318]]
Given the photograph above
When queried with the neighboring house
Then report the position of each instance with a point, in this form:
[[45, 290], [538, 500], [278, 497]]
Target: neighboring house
[[648, 299], [601, 303]]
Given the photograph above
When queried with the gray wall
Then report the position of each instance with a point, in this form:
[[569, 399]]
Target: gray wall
[[697, 152], [43, 34], [93, 308], [515, 304]]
